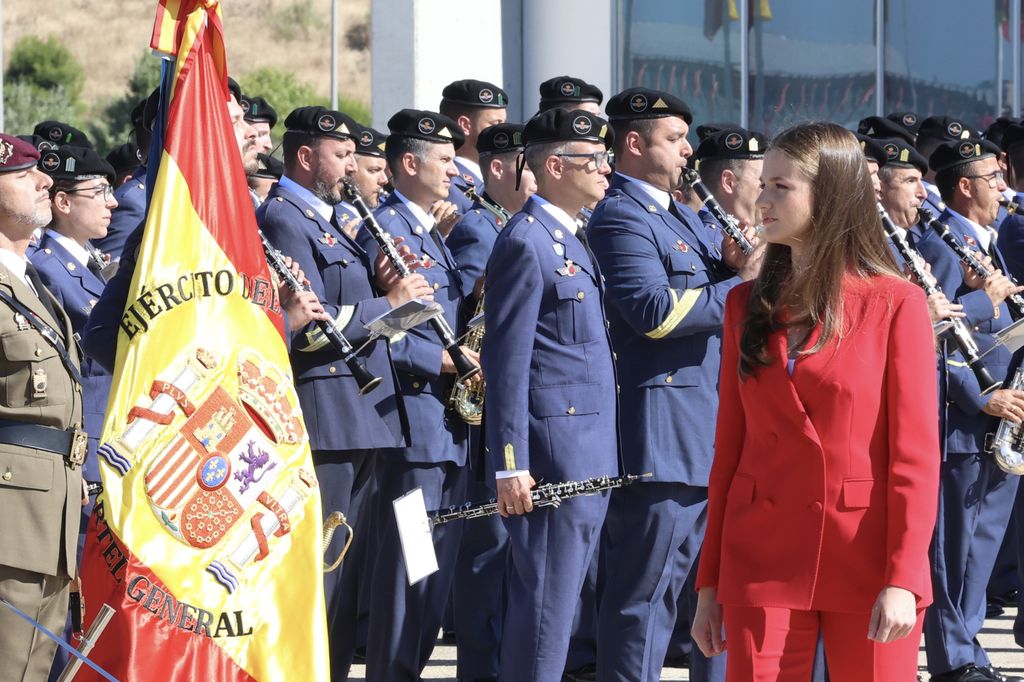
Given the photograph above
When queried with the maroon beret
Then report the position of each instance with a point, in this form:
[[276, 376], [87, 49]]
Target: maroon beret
[[16, 154]]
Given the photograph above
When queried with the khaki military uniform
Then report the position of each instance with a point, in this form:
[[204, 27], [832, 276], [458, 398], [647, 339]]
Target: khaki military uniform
[[40, 495]]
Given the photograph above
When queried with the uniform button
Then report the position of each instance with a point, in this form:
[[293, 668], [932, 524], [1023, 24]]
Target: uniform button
[[332, 370], [344, 261], [8, 475], [607, 324], [39, 352], [580, 295], [768, 504], [668, 380], [615, 356], [415, 384], [571, 410], [693, 267], [437, 285], [618, 389], [816, 506]]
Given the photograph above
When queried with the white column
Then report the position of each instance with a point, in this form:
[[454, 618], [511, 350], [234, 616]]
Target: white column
[[566, 38], [419, 46]]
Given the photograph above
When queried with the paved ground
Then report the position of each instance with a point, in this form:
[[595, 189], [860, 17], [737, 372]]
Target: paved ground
[[997, 637]]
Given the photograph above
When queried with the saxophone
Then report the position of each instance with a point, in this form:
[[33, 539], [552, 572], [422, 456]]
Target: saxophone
[[468, 401], [1007, 446]]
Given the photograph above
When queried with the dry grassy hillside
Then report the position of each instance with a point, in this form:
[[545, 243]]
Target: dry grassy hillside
[[109, 37]]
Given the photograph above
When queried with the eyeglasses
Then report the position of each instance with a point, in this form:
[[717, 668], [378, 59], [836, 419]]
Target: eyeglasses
[[106, 191], [599, 158], [992, 178]]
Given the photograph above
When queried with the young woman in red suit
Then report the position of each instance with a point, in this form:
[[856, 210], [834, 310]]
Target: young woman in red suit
[[824, 486]]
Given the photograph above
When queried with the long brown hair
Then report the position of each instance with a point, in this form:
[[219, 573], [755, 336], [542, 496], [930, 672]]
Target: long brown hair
[[845, 237]]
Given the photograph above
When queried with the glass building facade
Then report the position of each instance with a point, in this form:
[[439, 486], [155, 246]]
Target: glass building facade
[[770, 63]]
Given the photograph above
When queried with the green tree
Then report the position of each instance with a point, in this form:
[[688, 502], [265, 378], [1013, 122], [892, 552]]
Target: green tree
[[25, 105], [285, 92], [46, 64], [145, 77]]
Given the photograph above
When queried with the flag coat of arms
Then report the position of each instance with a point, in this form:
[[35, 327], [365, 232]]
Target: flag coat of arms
[[207, 538]]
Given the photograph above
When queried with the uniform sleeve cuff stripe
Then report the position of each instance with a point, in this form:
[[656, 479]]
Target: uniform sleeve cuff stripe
[[681, 306]]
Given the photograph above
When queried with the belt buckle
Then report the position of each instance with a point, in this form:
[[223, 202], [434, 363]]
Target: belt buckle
[[79, 448]]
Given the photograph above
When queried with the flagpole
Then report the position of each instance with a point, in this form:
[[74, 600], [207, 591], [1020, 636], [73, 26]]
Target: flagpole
[[334, 54]]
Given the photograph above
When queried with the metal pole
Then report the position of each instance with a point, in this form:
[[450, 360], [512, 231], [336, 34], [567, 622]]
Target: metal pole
[[1015, 56], [744, 62], [334, 54], [880, 57]]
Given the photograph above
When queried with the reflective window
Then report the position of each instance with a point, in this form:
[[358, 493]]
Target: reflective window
[[930, 71], [689, 48], [811, 60]]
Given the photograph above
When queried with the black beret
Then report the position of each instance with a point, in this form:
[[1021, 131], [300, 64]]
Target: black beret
[[709, 129], [144, 113], [900, 153], [321, 122], [235, 89], [258, 109], [872, 149], [61, 133], [1012, 137], [125, 157], [70, 163], [943, 128], [731, 143], [635, 103], [561, 90], [559, 125], [268, 167], [878, 127], [998, 128], [370, 142], [425, 125], [907, 119], [500, 138], [473, 93], [958, 152], [39, 143]]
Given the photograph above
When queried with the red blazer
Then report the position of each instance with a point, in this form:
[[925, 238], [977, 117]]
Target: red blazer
[[824, 485]]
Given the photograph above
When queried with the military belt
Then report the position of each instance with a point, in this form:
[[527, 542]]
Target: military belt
[[71, 444]]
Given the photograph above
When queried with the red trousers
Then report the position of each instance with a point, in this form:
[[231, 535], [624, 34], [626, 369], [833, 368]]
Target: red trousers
[[777, 645]]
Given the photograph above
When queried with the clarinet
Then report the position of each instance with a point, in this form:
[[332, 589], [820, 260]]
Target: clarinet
[[729, 224], [463, 367], [367, 382], [548, 495], [1014, 301], [491, 206], [958, 329]]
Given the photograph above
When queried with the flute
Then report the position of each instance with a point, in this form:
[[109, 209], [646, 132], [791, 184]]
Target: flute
[[1014, 301], [958, 328], [367, 382], [464, 368], [729, 224]]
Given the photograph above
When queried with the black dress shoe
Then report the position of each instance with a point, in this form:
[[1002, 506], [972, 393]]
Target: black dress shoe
[[993, 609], [995, 674], [967, 673]]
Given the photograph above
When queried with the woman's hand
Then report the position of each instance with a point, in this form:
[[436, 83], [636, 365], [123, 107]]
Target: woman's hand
[[893, 616], [707, 623]]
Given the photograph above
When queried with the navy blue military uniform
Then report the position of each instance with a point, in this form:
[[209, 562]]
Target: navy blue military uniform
[[667, 285], [551, 409], [404, 619], [478, 591], [975, 496], [345, 448]]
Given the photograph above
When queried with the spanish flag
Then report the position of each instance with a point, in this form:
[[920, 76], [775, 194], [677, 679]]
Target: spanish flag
[[206, 540]]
